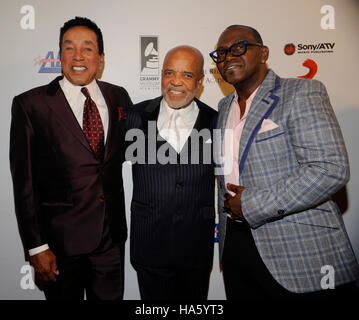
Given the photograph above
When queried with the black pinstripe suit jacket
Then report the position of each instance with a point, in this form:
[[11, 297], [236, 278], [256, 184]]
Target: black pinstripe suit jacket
[[172, 209]]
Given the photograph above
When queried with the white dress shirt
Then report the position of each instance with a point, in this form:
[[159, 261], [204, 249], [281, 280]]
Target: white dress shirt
[[76, 100], [184, 121]]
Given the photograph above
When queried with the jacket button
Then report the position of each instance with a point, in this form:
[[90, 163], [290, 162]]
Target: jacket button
[[281, 211]]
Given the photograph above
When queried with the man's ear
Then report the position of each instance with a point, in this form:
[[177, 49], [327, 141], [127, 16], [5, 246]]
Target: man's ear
[[102, 58], [200, 81], [265, 54], [101, 66]]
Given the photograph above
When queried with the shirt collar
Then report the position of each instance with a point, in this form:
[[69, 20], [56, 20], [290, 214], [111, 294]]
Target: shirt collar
[[186, 114], [248, 102], [250, 98], [73, 91]]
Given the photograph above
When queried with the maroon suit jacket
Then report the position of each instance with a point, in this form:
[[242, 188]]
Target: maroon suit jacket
[[62, 192]]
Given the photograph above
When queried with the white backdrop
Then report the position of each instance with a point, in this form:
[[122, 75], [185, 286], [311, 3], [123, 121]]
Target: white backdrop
[[30, 31]]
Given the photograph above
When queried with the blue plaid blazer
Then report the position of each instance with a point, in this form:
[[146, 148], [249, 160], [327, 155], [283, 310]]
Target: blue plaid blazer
[[289, 174]]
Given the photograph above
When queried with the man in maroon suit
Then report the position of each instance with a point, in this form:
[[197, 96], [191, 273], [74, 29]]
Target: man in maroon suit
[[65, 157]]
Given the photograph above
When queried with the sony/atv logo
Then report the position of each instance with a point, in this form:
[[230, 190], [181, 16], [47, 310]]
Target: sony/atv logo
[[323, 47]]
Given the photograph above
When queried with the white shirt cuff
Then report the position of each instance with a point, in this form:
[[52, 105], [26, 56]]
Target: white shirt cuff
[[37, 250]]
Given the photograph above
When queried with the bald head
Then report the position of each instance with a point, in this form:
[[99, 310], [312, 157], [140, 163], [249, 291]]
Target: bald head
[[182, 73], [254, 32], [189, 51]]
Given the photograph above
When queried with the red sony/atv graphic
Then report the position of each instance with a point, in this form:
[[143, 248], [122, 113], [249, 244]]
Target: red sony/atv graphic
[[289, 49], [313, 68]]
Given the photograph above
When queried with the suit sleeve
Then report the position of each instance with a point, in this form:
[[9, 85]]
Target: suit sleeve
[[322, 165], [126, 98], [21, 156], [127, 107]]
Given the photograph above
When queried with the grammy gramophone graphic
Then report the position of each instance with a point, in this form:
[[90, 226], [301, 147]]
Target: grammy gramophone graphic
[[149, 57]]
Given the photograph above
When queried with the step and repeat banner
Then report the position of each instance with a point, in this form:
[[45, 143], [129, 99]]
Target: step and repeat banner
[[306, 38]]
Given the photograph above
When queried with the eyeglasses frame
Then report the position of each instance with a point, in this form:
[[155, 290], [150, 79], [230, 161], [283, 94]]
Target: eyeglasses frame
[[246, 44]]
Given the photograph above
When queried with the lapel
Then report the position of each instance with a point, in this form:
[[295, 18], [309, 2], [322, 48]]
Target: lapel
[[202, 120], [223, 108], [151, 112], [112, 118], [149, 115], [262, 106], [57, 101]]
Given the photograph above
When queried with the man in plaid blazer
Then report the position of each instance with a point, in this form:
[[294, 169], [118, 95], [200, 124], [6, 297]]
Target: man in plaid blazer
[[281, 235]]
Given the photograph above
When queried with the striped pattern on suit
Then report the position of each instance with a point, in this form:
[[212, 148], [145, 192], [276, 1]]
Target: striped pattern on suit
[[172, 209]]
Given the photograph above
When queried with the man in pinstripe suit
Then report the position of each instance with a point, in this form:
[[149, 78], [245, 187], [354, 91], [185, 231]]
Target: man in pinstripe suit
[[281, 235], [172, 209]]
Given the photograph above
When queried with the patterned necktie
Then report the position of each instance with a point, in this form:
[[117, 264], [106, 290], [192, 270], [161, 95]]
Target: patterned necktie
[[92, 125]]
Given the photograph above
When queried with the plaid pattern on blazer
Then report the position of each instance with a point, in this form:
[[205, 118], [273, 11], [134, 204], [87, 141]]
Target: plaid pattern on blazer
[[289, 174]]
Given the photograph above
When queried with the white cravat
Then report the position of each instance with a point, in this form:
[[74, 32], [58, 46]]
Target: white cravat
[[174, 135], [175, 125]]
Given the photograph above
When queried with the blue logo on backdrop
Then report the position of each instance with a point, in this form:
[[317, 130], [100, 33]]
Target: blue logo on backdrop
[[50, 64], [216, 233]]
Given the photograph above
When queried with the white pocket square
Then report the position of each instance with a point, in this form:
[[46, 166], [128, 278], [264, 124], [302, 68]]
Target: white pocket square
[[267, 125], [209, 140]]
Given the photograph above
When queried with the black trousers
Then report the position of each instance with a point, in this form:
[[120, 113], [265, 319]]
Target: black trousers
[[100, 273], [172, 284], [247, 278]]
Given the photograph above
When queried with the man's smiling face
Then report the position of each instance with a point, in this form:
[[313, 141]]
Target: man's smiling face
[[237, 70], [181, 76], [80, 58]]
